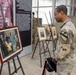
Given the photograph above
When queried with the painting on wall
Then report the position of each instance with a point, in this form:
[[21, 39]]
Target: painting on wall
[[6, 13]]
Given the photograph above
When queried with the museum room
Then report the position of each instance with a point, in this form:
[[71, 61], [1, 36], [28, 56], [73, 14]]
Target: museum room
[[37, 37]]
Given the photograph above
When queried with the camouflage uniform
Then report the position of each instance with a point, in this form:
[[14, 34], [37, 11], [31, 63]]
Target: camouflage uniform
[[65, 65]]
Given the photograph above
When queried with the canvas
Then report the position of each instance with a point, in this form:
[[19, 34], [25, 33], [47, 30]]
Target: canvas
[[10, 43], [54, 32], [41, 33]]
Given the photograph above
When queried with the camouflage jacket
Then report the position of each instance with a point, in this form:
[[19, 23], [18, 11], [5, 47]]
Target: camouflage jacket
[[67, 30]]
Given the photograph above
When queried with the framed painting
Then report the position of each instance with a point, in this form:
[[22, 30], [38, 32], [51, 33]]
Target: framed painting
[[10, 43], [6, 13], [54, 32], [41, 33]]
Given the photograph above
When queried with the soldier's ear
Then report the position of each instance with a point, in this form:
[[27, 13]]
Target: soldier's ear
[[62, 12]]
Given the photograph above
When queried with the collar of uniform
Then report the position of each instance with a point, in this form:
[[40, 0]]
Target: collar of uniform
[[65, 22]]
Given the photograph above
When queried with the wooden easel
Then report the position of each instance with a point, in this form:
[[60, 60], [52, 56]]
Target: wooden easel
[[40, 48], [9, 68], [15, 68]]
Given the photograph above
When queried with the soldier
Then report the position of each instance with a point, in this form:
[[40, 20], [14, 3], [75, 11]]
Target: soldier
[[65, 49]]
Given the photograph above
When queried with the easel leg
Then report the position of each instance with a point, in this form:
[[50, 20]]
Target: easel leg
[[1, 69], [35, 49], [44, 48], [14, 65], [20, 65], [9, 68], [40, 55], [47, 43], [54, 45]]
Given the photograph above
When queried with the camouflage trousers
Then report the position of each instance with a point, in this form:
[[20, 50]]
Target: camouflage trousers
[[64, 68]]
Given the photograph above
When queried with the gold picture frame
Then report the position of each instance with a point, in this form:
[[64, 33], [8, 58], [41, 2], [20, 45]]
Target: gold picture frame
[[54, 32], [42, 33]]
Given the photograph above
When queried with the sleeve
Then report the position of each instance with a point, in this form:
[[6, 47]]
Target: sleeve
[[64, 36]]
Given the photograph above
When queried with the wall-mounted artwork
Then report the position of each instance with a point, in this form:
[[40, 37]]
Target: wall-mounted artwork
[[6, 12]]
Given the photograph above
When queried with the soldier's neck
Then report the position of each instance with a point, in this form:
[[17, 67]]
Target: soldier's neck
[[64, 18]]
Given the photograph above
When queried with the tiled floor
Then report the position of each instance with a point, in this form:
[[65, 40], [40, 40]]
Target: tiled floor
[[30, 66]]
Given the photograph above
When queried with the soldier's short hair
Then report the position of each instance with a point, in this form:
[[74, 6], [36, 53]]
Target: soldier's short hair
[[62, 8]]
